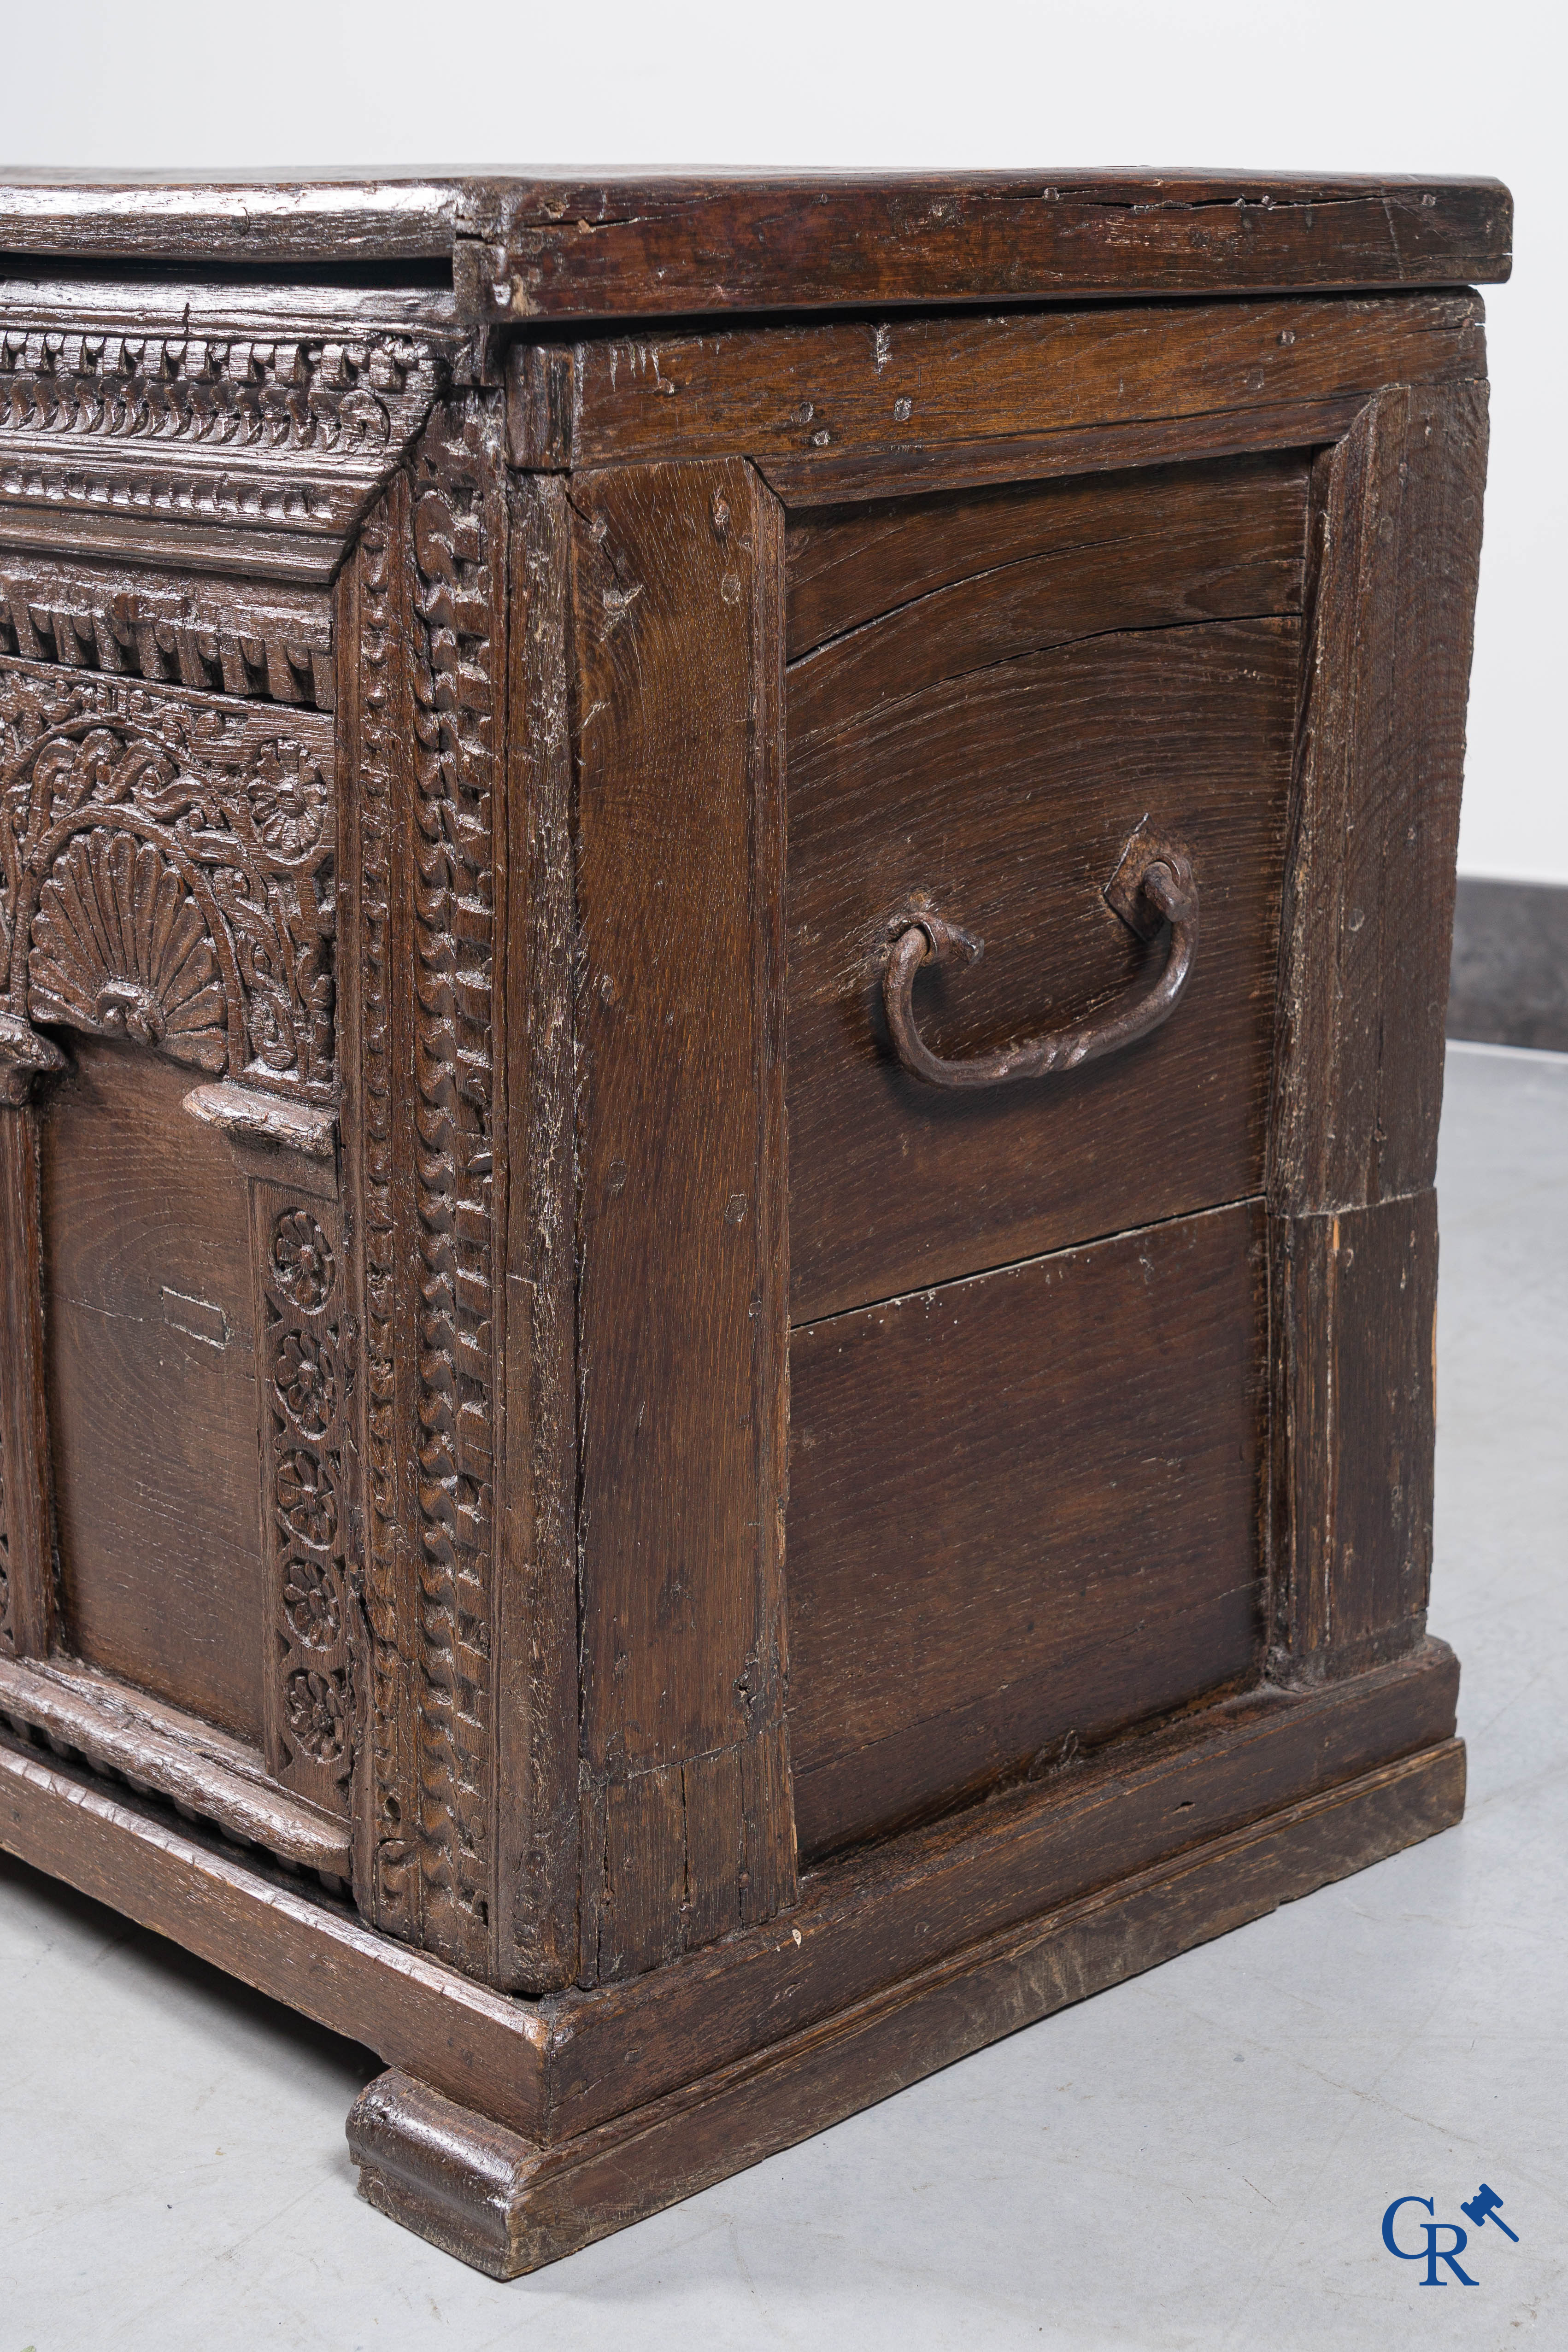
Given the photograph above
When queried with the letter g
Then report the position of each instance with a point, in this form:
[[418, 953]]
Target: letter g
[[1388, 2228]]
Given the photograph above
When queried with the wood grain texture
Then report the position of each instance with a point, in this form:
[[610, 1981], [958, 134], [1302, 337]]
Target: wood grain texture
[[608, 248], [1008, 796], [677, 581], [234, 217], [536, 1778], [1354, 1415], [28, 1597], [956, 582], [553, 2069], [803, 483], [526, 246], [1023, 1514], [840, 389], [507, 2207], [1368, 920], [152, 1387]]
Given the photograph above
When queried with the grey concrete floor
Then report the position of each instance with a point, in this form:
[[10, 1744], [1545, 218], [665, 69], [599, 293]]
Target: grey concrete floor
[[1201, 2158]]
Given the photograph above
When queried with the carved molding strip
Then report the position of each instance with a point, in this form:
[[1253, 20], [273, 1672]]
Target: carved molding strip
[[249, 1115], [304, 1369], [431, 576], [165, 629], [458, 549], [167, 873], [116, 431], [122, 482], [390, 1888], [293, 391], [115, 1729]]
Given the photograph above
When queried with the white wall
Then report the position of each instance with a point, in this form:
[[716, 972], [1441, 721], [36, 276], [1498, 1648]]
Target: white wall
[[1352, 85]]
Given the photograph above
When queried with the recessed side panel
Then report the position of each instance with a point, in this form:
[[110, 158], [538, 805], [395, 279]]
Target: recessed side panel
[[1024, 1514], [992, 694]]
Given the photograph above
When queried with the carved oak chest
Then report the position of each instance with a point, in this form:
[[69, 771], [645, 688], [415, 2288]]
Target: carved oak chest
[[724, 914]]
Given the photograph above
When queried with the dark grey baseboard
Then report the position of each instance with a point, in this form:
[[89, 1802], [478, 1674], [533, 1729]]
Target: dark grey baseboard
[[1508, 984]]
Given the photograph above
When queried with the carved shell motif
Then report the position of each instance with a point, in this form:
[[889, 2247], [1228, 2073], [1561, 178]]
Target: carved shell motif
[[119, 945]]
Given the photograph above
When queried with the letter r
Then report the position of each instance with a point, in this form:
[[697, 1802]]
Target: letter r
[[1446, 2254]]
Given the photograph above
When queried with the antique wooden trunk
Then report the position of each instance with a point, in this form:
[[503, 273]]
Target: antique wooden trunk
[[629, 1472]]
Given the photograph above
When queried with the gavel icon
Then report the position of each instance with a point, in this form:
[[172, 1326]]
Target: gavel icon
[[1483, 2207]]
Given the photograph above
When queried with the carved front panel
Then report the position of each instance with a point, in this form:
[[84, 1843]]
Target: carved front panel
[[272, 1416], [168, 868], [170, 627], [253, 1441], [167, 873]]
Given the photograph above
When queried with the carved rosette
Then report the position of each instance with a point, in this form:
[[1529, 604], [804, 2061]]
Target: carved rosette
[[167, 874], [304, 1356]]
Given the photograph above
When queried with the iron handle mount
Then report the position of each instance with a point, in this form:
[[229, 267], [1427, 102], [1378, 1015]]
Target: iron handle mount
[[1153, 885]]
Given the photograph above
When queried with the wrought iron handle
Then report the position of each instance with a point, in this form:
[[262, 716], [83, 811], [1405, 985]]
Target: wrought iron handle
[[1151, 887]]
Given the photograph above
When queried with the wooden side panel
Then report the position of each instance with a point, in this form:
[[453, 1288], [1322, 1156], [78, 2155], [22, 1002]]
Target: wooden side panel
[[27, 1544], [825, 393], [1359, 1058], [1369, 908], [990, 572], [678, 592], [1355, 1303], [1022, 1515], [1006, 797], [536, 1775], [892, 470]]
